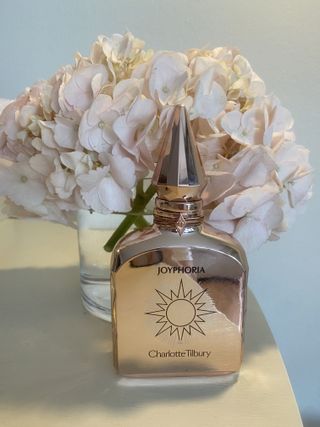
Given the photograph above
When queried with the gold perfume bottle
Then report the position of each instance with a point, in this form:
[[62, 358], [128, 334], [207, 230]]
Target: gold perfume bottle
[[178, 287]]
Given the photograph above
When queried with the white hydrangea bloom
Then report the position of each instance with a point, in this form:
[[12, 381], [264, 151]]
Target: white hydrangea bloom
[[79, 89], [249, 215], [96, 126], [167, 77], [22, 185], [107, 189], [84, 137]]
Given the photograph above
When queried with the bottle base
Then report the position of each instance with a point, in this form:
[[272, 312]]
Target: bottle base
[[226, 379]]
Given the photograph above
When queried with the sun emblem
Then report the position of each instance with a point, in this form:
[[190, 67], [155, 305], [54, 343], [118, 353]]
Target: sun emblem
[[181, 312]]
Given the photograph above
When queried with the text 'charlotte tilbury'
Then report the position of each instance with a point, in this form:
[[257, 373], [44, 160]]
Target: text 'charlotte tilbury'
[[180, 353]]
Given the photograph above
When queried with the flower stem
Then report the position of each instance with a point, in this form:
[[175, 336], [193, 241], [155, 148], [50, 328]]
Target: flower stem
[[135, 216], [141, 222]]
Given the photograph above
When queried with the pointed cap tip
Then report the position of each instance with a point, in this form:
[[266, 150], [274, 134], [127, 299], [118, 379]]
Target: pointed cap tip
[[179, 173]]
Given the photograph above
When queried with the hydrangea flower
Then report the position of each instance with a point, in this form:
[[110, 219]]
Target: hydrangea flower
[[85, 137]]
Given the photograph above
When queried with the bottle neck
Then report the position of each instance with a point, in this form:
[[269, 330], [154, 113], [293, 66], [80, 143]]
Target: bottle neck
[[178, 215]]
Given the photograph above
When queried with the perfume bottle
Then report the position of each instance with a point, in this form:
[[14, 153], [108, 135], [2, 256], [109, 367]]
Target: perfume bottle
[[179, 286]]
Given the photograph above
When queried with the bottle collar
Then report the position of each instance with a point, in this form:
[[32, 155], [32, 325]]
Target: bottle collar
[[178, 215]]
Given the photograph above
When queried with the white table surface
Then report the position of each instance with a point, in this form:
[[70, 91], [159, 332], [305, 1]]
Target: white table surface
[[56, 359]]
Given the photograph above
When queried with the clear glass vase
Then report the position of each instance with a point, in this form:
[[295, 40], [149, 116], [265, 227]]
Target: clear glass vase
[[94, 230]]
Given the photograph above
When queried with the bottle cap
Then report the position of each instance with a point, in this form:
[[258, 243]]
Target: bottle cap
[[179, 174]]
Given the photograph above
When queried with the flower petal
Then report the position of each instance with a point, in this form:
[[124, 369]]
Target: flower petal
[[208, 102], [122, 170], [251, 233]]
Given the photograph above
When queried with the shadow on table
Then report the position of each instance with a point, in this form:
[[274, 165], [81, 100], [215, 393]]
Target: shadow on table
[[55, 354]]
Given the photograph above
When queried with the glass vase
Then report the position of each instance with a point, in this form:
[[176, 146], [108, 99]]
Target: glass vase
[[94, 230]]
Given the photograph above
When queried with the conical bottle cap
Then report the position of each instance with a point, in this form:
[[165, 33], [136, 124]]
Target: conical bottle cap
[[179, 174]]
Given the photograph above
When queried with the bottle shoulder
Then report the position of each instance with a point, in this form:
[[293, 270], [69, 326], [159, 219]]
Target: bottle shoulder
[[203, 237]]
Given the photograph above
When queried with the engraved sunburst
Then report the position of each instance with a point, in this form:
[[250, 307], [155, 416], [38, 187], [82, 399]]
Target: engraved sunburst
[[181, 312]]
